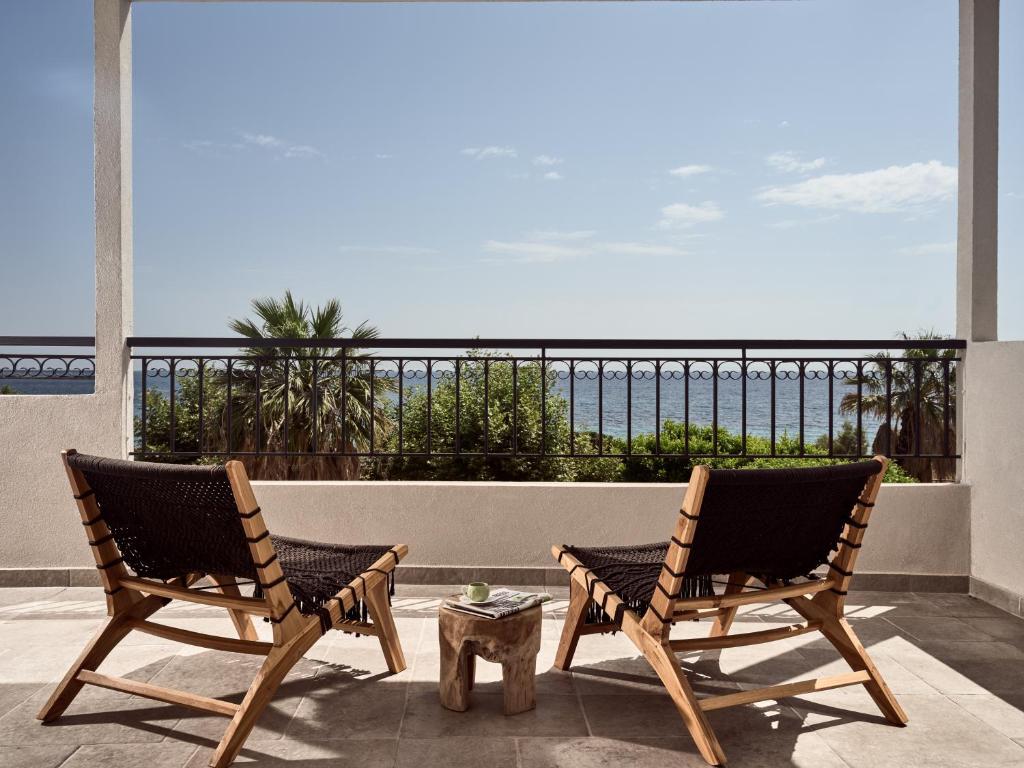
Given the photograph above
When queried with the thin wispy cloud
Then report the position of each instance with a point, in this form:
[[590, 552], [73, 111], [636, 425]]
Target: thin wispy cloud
[[302, 150], [384, 156], [684, 215], [258, 141], [685, 171], [549, 246], [547, 160], [488, 153], [389, 250], [262, 140], [553, 176], [558, 235], [790, 162], [527, 252], [640, 249], [887, 190], [795, 223], [929, 249]]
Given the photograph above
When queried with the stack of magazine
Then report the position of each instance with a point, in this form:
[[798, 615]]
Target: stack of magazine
[[501, 603]]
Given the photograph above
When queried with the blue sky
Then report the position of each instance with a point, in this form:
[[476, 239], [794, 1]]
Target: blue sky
[[649, 170]]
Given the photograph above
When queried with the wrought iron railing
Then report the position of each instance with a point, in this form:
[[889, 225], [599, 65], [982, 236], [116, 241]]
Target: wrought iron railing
[[545, 398], [48, 372], [210, 398]]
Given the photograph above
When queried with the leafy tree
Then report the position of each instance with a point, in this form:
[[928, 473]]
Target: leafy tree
[[892, 389], [843, 444], [304, 401], [489, 416], [186, 421]]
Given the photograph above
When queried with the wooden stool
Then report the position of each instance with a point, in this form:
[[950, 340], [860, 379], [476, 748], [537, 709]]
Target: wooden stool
[[512, 642]]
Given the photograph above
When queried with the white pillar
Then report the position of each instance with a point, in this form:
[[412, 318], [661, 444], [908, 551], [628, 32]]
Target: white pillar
[[112, 126], [976, 253]]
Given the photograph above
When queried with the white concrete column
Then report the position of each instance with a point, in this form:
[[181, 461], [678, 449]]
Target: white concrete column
[[976, 259], [112, 126]]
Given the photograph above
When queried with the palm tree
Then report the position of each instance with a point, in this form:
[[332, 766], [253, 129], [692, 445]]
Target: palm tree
[[318, 404], [913, 394]]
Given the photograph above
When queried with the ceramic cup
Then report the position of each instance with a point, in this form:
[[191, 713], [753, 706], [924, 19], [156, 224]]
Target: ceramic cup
[[477, 591]]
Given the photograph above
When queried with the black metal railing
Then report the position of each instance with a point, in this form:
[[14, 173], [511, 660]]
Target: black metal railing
[[49, 372], [545, 398], [406, 398]]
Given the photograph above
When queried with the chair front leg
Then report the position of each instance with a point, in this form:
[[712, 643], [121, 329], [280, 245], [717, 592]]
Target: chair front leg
[[667, 667], [113, 631], [378, 607], [278, 663], [575, 618]]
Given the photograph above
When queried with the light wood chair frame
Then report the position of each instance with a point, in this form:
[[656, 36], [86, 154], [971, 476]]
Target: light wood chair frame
[[131, 600], [821, 603]]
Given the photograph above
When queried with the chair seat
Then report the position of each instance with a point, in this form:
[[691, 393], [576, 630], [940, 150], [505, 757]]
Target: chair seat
[[632, 573], [316, 572]]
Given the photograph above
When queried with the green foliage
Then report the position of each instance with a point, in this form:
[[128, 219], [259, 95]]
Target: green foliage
[[487, 419], [6, 389], [186, 421]]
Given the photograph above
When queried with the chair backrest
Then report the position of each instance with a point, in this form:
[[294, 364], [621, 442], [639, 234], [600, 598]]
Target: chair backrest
[[168, 520], [780, 523]]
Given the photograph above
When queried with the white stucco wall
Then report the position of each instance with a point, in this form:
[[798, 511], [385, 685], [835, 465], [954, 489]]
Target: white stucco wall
[[37, 513], [916, 529], [994, 463], [919, 529]]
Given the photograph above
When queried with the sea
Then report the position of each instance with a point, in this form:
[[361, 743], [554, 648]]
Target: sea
[[620, 418]]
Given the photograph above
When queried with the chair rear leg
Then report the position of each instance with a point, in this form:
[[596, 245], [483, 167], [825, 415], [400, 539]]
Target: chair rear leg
[[667, 666], [839, 632], [242, 621], [845, 640], [278, 663], [103, 642], [723, 622], [380, 614], [575, 618]]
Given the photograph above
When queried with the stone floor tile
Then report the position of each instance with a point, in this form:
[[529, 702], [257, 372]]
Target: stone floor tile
[[554, 716], [341, 707], [964, 606], [940, 629], [1007, 628], [96, 716], [461, 752], [364, 753], [1005, 712], [168, 754], [36, 757], [13, 694], [938, 733], [603, 752], [358, 712]]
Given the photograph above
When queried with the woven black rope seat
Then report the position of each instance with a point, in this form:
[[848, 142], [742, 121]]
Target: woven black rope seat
[[316, 572], [169, 520], [775, 524]]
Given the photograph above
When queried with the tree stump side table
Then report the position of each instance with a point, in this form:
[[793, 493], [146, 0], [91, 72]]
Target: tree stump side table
[[512, 642]]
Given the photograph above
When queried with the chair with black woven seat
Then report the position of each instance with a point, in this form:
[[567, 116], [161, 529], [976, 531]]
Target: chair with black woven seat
[[174, 525], [765, 531]]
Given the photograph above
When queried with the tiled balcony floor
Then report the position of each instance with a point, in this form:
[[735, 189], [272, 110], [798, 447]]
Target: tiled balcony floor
[[956, 664]]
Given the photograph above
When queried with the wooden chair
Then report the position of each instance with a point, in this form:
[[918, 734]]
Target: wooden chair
[[173, 525], [765, 529]]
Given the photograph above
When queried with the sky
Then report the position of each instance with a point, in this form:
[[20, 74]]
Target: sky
[[657, 170]]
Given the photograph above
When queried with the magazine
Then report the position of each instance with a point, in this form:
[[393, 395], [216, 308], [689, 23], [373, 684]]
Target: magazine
[[501, 603]]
